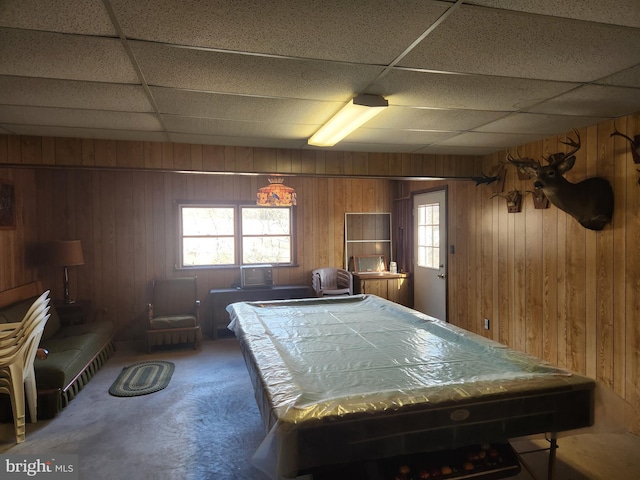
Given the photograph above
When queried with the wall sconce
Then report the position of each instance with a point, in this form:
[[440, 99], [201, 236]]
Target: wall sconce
[[276, 194], [67, 253], [354, 114]]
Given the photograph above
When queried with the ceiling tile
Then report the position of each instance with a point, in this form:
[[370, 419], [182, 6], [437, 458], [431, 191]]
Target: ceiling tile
[[399, 137], [239, 107], [372, 32], [535, 123], [512, 44], [366, 147], [625, 78], [72, 94], [468, 92], [72, 57], [598, 100], [490, 140], [247, 74], [209, 126], [68, 117], [617, 12], [87, 17], [237, 141], [459, 150], [402, 117]]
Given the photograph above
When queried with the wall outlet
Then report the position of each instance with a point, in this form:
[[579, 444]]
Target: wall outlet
[[487, 325]]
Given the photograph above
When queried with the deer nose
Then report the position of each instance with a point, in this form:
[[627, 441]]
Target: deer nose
[[538, 184]]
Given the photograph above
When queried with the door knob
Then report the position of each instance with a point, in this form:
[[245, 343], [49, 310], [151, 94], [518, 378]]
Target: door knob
[[441, 275]]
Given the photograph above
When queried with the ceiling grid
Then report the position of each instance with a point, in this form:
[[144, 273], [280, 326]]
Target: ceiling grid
[[461, 77]]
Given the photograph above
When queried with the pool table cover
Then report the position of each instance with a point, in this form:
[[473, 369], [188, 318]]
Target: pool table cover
[[357, 378]]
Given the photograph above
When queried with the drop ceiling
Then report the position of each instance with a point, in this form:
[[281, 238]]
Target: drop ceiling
[[461, 77]]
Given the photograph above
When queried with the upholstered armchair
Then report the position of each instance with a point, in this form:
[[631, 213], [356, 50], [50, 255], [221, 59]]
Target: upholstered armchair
[[174, 313], [331, 282]]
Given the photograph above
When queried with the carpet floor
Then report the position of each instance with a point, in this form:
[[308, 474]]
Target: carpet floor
[[206, 425]]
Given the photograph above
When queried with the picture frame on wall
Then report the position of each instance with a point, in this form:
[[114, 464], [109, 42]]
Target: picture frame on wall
[[7, 205]]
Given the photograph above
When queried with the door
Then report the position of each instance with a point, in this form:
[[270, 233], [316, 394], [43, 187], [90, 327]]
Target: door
[[429, 253]]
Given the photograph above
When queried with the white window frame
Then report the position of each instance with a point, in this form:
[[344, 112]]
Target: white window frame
[[237, 235]]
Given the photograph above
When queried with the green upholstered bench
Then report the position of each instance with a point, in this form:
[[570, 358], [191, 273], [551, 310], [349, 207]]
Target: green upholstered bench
[[76, 352]]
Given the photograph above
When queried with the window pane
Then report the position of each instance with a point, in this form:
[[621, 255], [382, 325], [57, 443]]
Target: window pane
[[428, 241], [429, 214], [422, 234], [265, 221], [207, 221], [208, 251], [266, 250], [429, 236], [222, 235]]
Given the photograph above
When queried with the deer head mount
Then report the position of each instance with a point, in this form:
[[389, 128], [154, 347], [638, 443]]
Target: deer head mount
[[514, 200], [540, 200], [635, 144], [589, 201]]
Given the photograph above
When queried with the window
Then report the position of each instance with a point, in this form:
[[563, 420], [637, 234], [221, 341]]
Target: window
[[225, 235], [429, 235]]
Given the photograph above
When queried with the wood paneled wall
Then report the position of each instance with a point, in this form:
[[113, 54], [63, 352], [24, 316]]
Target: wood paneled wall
[[549, 286], [118, 198], [128, 226], [115, 154]]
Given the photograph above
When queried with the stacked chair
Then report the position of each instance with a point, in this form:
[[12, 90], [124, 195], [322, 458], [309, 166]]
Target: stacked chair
[[18, 346]]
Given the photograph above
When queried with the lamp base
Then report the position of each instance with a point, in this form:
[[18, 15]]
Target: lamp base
[[65, 287]]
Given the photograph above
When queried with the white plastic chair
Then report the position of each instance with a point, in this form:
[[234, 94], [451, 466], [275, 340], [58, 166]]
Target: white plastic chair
[[9, 331], [17, 353]]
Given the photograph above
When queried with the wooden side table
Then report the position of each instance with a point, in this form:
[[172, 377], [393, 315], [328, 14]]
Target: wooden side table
[[73, 313]]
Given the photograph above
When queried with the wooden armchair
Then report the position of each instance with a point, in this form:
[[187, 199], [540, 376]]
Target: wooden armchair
[[332, 282], [173, 315]]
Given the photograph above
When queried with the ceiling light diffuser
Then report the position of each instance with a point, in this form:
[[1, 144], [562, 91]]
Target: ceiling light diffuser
[[354, 114]]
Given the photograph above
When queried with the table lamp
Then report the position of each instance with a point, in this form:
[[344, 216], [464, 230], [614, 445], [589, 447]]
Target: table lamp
[[67, 253]]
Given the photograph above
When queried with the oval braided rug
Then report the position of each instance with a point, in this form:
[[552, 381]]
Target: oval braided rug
[[142, 378]]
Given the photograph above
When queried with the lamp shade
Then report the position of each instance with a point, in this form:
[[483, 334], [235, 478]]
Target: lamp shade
[[276, 194], [66, 253]]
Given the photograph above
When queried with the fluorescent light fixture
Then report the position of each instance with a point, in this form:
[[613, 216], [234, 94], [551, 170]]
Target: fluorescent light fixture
[[354, 114]]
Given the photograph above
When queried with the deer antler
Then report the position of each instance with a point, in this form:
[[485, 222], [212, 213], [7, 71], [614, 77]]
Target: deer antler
[[556, 158], [513, 198], [635, 145], [616, 132], [574, 144], [522, 163]]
